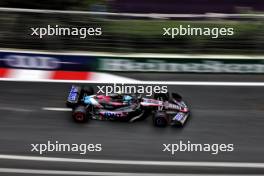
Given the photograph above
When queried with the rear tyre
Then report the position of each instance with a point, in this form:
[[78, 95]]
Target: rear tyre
[[79, 114], [72, 103], [160, 119]]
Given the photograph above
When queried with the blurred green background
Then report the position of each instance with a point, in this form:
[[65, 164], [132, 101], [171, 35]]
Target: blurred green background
[[123, 34]]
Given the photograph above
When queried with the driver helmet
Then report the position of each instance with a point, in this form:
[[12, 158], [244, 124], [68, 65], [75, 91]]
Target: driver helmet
[[127, 98]]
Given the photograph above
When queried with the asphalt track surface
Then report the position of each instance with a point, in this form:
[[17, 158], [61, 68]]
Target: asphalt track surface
[[220, 114]]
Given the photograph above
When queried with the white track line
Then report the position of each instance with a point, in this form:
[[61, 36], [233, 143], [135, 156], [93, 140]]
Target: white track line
[[3, 108], [183, 83], [204, 83], [134, 162], [137, 55], [56, 109], [138, 15], [60, 172]]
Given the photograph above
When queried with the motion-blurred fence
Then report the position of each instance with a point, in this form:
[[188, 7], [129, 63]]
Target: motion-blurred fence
[[134, 33]]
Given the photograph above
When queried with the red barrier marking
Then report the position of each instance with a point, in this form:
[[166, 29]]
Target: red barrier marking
[[71, 75], [3, 72]]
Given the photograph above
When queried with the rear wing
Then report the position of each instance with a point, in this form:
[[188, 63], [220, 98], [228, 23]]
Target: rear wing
[[74, 96]]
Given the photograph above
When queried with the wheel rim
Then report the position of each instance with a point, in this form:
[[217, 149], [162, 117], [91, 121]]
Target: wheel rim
[[79, 117]]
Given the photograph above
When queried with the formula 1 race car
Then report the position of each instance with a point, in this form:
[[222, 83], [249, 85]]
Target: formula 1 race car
[[165, 109]]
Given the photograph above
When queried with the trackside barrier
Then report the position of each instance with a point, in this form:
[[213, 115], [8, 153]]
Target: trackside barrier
[[183, 65], [46, 61], [108, 62]]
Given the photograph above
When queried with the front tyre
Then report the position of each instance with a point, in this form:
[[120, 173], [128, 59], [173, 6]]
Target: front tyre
[[160, 119], [79, 114]]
